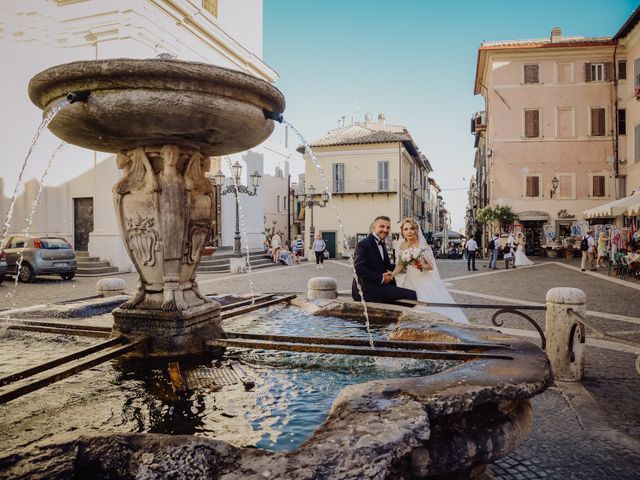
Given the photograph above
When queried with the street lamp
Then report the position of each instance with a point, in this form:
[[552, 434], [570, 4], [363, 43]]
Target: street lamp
[[308, 201], [554, 183], [236, 188]]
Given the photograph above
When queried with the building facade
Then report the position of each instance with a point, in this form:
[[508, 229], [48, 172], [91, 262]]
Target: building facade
[[37, 34], [545, 142], [371, 169]]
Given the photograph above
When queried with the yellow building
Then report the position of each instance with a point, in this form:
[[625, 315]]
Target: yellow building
[[370, 169]]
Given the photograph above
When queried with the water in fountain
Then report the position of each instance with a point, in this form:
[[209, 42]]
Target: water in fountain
[[27, 229], [243, 229], [325, 182], [45, 123]]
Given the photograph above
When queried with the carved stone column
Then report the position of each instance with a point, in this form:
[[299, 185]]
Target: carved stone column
[[164, 207]]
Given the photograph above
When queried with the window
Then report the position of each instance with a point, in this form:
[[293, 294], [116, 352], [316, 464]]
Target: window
[[566, 122], [278, 202], [338, 178], [531, 74], [597, 72], [17, 242], [531, 123], [622, 70], [284, 203], [622, 121], [566, 186], [636, 141], [565, 72], [211, 6], [597, 122], [636, 73], [598, 186], [532, 187], [383, 176]]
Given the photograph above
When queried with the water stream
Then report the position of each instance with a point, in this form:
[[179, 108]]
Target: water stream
[[29, 220], [45, 123], [325, 183]]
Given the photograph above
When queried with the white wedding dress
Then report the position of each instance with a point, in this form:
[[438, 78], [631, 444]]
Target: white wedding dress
[[429, 287], [521, 259]]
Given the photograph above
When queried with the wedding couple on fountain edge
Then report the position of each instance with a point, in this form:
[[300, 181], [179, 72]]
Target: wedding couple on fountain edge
[[413, 277]]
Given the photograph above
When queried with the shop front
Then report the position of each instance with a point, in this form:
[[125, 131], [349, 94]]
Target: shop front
[[533, 230]]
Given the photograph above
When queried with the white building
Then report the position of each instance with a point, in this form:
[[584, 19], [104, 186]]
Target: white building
[[37, 34]]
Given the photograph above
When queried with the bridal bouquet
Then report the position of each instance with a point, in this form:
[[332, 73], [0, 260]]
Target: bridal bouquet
[[415, 257]]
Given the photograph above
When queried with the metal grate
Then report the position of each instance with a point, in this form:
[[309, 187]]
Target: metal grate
[[208, 377]]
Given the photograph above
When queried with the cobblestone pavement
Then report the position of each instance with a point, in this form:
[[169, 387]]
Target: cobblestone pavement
[[588, 430]]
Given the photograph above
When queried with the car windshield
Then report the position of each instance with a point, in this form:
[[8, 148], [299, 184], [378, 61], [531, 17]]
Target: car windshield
[[54, 243]]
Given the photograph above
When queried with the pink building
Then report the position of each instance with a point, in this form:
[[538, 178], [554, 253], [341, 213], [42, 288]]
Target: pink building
[[548, 139]]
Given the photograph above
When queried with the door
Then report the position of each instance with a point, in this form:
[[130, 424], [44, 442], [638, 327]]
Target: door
[[82, 223], [330, 241], [533, 237]]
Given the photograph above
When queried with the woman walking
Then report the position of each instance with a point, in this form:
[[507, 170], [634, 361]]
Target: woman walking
[[318, 248], [602, 249]]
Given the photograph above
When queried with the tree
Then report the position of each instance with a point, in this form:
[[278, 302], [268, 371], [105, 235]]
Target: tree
[[502, 215]]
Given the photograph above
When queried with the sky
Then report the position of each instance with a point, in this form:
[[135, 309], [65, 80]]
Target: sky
[[413, 60]]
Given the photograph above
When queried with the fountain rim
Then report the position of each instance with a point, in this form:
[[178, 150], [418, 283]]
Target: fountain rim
[[166, 74]]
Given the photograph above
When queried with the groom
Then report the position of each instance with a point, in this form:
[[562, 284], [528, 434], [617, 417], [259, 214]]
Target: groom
[[374, 268]]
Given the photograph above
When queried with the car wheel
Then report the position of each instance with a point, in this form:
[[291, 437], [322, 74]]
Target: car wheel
[[67, 276], [26, 273]]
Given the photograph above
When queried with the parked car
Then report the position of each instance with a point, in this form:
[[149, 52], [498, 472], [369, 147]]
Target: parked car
[[40, 256], [3, 265]]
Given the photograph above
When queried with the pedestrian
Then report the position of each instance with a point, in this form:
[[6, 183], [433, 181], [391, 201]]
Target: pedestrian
[[509, 254], [318, 248], [494, 244], [276, 245], [298, 249], [587, 246], [602, 249], [472, 248]]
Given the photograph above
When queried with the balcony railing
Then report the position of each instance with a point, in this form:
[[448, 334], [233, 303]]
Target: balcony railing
[[365, 186]]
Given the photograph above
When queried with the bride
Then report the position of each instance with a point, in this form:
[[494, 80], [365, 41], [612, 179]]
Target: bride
[[426, 283], [521, 259]]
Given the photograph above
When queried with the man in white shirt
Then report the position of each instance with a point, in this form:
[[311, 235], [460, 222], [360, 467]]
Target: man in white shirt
[[472, 248]]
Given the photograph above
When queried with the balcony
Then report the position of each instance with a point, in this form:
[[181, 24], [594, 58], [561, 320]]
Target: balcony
[[366, 186], [479, 122]]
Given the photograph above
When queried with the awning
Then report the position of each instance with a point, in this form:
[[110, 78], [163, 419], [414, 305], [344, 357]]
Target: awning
[[450, 234], [533, 216], [623, 206]]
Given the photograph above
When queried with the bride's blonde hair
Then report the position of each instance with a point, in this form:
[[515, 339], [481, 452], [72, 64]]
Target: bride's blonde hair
[[412, 222]]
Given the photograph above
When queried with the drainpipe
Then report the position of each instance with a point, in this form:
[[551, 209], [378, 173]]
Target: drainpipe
[[400, 192], [616, 134]]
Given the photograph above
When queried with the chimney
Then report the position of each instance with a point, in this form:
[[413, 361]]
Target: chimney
[[381, 121], [556, 35]]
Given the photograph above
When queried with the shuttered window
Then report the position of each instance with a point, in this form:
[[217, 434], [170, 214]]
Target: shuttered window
[[531, 74], [636, 141], [598, 185], [636, 73], [338, 178], [597, 72], [532, 123], [622, 70], [597, 121], [565, 189], [533, 187], [622, 121], [383, 176]]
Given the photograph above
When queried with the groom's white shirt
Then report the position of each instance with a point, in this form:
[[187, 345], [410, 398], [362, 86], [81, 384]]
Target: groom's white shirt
[[379, 246]]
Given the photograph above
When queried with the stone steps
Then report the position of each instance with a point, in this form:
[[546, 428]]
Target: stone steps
[[93, 266]]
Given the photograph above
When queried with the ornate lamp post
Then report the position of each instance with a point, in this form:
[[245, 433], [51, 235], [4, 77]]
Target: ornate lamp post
[[236, 188], [308, 201]]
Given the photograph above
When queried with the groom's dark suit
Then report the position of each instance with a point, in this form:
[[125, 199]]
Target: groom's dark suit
[[370, 266]]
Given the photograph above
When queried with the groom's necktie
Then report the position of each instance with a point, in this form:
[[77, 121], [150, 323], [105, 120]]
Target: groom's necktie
[[385, 255]]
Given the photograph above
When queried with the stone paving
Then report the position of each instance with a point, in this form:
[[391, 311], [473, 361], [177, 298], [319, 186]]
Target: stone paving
[[588, 430]]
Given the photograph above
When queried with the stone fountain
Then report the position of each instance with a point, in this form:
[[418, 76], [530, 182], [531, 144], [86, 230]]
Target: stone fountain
[[163, 119]]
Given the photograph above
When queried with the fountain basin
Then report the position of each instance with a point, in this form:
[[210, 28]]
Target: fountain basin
[[143, 103], [447, 425]]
